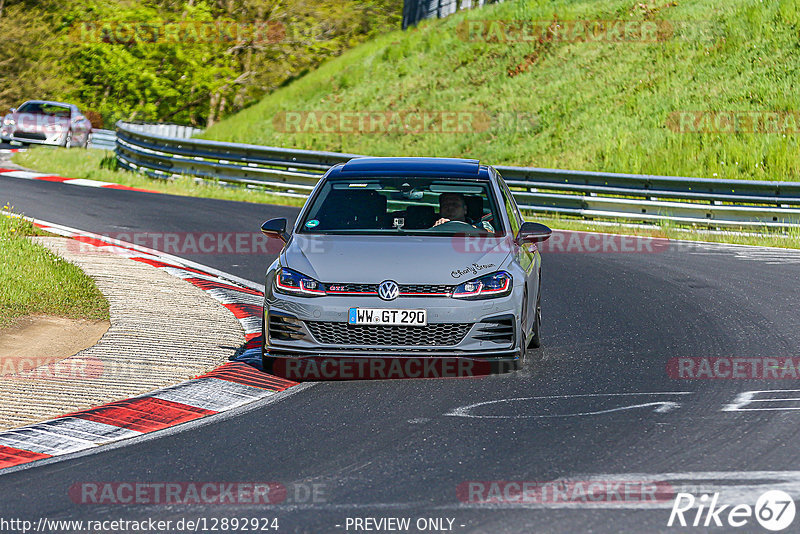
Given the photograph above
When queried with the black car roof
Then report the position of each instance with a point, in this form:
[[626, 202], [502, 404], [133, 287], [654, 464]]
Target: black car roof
[[428, 167]]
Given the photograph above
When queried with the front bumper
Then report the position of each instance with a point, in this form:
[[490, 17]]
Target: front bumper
[[297, 327], [39, 138]]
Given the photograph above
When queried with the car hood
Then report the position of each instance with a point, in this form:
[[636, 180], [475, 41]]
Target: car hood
[[404, 259]]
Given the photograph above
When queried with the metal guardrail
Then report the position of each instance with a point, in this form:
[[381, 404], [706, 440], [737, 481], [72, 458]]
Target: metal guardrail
[[590, 195], [107, 139], [103, 139], [163, 129]]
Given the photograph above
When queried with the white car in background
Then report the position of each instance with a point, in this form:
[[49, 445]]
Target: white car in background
[[46, 122], [5, 128]]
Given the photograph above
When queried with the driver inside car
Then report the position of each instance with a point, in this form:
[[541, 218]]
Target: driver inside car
[[453, 207]]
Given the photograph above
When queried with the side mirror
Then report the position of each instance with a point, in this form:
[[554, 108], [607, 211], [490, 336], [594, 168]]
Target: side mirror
[[12, 110], [532, 232], [276, 228]]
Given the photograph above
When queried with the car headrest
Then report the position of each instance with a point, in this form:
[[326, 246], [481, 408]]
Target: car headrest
[[474, 207]]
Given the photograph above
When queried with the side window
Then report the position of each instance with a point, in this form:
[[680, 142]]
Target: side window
[[511, 207]]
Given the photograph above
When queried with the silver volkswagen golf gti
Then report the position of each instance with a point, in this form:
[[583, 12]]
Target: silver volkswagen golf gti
[[405, 257]]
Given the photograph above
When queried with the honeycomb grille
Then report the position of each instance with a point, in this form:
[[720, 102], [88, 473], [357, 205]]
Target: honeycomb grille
[[432, 335], [426, 288]]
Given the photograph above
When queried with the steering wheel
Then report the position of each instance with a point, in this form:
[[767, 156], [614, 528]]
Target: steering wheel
[[454, 223], [457, 226]]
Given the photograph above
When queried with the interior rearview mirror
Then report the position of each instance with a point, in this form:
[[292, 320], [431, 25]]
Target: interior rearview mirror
[[531, 232], [276, 228]]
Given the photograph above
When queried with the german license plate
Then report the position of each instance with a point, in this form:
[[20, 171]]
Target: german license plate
[[382, 316]]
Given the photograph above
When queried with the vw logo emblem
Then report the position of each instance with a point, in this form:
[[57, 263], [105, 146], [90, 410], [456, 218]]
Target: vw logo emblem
[[388, 290]]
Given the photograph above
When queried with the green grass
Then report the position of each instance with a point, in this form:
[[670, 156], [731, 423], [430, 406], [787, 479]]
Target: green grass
[[94, 165], [598, 106], [33, 280]]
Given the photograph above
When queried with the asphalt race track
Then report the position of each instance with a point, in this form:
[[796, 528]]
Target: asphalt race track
[[402, 448]]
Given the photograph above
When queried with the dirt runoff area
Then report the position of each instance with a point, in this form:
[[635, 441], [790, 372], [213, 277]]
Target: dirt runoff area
[[34, 345]]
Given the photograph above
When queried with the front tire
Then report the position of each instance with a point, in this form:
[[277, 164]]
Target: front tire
[[68, 140]]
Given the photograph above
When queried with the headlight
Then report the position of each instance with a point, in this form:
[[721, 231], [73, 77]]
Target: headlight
[[294, 283], [486, 287], [8, 122]]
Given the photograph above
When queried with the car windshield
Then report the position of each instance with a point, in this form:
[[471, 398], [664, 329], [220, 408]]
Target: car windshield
[[392, 205], [38, 108]]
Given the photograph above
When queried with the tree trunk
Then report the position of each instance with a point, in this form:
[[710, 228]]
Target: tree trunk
[[238, 100], [222, 103], [212, 109]]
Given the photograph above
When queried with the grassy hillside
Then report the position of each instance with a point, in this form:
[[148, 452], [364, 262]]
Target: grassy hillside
[[560, 103]]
